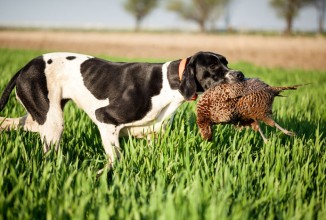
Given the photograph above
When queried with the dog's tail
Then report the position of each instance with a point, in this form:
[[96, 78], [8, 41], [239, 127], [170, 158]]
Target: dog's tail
[[6, 93]]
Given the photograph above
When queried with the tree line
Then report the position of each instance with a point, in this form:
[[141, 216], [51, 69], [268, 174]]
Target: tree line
[[203, 11]]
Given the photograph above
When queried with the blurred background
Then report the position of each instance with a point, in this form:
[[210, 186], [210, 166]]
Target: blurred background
[[281, 33]]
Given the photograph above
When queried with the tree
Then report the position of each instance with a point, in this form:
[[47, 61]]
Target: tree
[[199, 11], [320, 6], [287, 9], [140, 9]]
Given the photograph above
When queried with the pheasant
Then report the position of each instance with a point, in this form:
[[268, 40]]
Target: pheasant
[[242, 104]]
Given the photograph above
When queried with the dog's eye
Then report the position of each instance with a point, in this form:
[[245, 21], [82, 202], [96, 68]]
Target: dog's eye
[[213, 66]]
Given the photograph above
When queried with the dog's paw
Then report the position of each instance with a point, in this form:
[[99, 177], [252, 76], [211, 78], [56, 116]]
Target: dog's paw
[[108, 167]]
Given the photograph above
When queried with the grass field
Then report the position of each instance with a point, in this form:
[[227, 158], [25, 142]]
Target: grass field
[[177, 175]]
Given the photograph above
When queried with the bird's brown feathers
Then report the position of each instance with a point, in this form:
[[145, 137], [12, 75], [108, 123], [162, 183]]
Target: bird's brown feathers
[[243, 103]]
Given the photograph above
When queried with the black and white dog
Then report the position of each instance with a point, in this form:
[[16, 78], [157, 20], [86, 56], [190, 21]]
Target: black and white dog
[[134, 98]]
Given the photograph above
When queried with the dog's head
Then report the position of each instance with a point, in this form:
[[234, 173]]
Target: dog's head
[[205, 69]]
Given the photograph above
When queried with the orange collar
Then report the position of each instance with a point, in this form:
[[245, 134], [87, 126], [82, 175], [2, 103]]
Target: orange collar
[[182, 67]]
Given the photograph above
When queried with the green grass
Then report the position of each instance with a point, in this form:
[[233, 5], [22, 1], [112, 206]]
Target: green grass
[[177, 175]]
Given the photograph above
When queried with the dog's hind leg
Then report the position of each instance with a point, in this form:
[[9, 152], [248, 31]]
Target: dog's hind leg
[[8, 124], [50, 131], [52, 128], [26, 123]]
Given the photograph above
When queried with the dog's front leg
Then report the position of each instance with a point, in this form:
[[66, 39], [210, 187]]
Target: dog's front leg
[[110, 140]]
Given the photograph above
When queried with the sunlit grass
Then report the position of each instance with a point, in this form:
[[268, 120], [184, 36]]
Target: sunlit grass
[[177, 175]]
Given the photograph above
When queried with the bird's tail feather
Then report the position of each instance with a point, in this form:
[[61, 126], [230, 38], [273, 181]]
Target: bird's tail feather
[[279, 89]]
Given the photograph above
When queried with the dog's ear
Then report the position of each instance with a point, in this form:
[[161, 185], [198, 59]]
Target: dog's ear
[[188, 81]]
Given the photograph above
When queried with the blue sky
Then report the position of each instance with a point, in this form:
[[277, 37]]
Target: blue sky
[[244, 15]]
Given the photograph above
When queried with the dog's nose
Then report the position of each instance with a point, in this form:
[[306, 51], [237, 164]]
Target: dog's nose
[[239, 75]]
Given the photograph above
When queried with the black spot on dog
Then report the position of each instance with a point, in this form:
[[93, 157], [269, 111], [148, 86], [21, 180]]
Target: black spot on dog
[[31, 88], [70, 57], [128, 86], [50, 61]]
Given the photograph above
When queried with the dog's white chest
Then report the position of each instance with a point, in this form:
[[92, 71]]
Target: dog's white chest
[[163, 104]]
